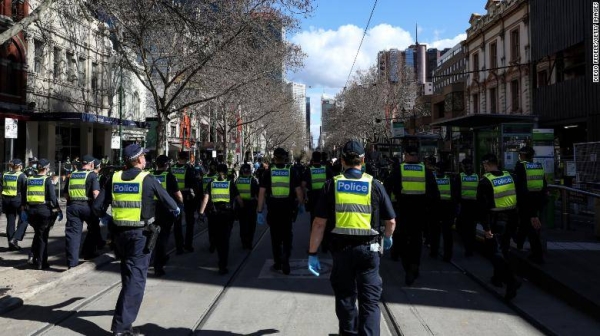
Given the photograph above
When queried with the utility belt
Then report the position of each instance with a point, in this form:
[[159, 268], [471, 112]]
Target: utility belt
[[80, 202], [339, 243], [222, 207]]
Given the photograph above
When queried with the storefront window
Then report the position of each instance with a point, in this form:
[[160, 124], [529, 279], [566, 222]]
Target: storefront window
[[68, 143]]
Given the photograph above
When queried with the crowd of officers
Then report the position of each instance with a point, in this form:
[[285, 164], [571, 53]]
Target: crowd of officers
[[352, 215]]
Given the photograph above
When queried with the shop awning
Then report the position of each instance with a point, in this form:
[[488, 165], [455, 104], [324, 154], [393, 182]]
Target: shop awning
[[87, 117], [484, 120]]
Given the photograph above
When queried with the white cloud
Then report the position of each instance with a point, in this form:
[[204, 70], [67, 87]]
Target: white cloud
[[330, 54]]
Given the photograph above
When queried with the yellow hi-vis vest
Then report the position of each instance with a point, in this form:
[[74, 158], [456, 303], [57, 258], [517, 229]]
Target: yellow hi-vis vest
[[244, 185], [505, 194], [9, 183], [353, 209], [413, 178], [36, 190], [77, 185], [535, 175], [206, 179], [127, 200], [280, 182], [179, 172], [444, 188], [468, 186], [317, 177], [219, 191], [162, 178]]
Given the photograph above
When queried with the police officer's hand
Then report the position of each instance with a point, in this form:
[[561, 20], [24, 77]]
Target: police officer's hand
[[535, 222], [314, 266], [176, 212], [60, 215], [260, 218], [387, 242], [489, 234], [181, 207], [301, 209], [24, 216]]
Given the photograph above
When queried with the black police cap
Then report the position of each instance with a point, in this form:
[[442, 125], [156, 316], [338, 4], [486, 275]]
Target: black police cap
[[280, 152], [133, 151], [527, 151], [87, 159], [353, 146], [43, 163], [183, 155], [222, 168], [162, 160], [16, 162], [489, 158], [411, 150]]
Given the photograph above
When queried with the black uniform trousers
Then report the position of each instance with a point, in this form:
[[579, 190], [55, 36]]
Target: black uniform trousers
[[497, 247], [467, 224], [129, 245], [247, 220], [41, 219], [313, 199], [355, 276], [186, 242], [10, 207], [527, 231], [222, 221], [443, 219], [408, 236], [77, 213], [165, 220], [280, 218]]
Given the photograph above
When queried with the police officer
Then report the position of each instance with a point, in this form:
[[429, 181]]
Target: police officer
[[80, 191], [467, 182], [497, 202], [42, 209], [532, 192], [164, 218], [210, 176], [444, 214], [31, 169], [414, 188], [131, 193], [355, 203], [313, 180], [221, 193], [248, 187], [280, 189], [189, 187], [14, 193]]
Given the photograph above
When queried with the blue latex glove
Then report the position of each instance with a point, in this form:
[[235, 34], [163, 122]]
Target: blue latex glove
[[387, 243], [260, 218], [176, 212], [181, 207], [60, 216], [314, 266], [24, 216], [104, 220], [301, 209]]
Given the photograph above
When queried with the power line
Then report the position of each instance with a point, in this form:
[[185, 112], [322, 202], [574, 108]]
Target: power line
[[360, 45]]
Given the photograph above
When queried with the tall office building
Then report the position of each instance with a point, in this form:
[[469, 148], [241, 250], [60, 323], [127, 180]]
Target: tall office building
[[298, 92], [308, 135]]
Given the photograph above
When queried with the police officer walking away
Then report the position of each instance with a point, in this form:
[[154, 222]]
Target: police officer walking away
[[355, 203], [415, 189], [497, 201], [313, 180], [532, 192], [467, 182], [189, 187], [443, 215], [14, 192], [248, 187], [131, 195], [80, 191], [280, 188], [221, 193], [206, 180], [164, 217], [42, 209]]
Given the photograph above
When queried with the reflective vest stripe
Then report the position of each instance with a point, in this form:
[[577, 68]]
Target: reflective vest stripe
[[353, 211], [317, 177], [162, 178], [244, 187], [535, 175], [10, 183], [127, 200], [505, 195], [219, 191], [206, 179], [444, 188], [179, 173], [77, 185], [468, 186], [413, 178], [36, 190], [280, 182]]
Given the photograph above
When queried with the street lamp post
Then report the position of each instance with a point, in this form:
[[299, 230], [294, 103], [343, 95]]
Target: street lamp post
[[121, 114]]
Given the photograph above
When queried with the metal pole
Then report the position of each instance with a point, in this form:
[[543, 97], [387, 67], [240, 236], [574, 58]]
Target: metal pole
[[565, 209], [12, 143], [121, 115]]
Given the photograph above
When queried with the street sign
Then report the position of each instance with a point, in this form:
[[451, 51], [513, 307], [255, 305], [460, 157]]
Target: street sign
[[115, 142], [11, 128], [397, 129]]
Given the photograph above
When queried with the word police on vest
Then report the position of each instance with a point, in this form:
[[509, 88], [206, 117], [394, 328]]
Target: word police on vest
[[443, 181], [471, 178], [178, 170], [355, 187], [319, 170], [413, 167], [503, 181], [160, 178], [533, 165], [77, 175], [281, 172], [35, 182], [220, 185], [126, 188], [10, 177]]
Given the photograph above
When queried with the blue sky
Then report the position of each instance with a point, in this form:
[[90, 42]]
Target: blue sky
[[331, 36]]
